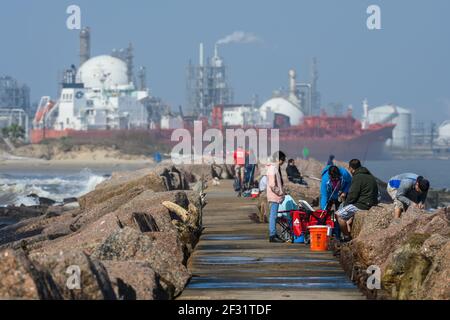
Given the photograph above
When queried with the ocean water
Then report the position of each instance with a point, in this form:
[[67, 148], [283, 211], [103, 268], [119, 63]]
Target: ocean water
[[15, 187], [437, 171]]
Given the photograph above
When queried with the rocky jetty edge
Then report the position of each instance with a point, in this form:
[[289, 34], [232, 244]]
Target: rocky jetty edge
[[129, 239], [132, 236]]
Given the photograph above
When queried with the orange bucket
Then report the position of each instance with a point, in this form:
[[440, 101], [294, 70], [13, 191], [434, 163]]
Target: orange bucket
[[319, 238]]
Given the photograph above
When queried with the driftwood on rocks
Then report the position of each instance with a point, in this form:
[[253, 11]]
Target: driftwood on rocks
[[121, 237], [178, 210]]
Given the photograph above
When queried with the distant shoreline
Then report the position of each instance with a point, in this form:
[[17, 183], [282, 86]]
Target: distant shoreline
[[34, 165]]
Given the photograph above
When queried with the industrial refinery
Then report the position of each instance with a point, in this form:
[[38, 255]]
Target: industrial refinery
[[15, 106], [104, 94]]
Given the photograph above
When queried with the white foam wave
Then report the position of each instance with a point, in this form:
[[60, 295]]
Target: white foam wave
[[14, 190]]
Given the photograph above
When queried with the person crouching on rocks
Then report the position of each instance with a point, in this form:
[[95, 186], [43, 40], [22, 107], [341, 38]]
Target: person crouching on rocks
[[334, 187], [363, 195], [408, 189], [275, 192]]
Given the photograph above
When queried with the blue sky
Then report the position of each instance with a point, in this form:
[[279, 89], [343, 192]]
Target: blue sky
[[406, 63]]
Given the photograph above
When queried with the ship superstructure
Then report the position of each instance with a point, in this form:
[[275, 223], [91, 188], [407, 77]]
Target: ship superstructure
[[101, 94]]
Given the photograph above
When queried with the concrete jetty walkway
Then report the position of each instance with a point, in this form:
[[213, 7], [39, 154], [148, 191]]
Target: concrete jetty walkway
[[234, 259]]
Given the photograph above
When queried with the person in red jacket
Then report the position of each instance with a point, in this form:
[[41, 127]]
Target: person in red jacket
[[239, 156]]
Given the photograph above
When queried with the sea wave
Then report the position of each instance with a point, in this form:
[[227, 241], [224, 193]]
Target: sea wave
[[15, 189]]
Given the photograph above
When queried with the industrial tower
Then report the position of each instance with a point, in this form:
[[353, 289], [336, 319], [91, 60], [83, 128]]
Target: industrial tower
[[315, 94], [85, 45], [207, 84]]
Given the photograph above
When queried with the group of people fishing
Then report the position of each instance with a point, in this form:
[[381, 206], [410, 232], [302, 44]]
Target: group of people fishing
[[344, 190], [245, 165]]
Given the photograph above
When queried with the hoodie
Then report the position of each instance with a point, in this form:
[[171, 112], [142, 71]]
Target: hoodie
[[363, 192], [275, 191], [326, 188], [405, 186]]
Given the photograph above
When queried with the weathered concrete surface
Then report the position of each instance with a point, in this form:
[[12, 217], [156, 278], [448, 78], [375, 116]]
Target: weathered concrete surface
[[234, 259]]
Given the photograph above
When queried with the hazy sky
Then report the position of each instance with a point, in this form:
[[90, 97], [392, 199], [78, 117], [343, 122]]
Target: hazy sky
[[406, 63]]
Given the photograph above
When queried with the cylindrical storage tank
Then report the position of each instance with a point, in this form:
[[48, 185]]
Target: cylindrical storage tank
[[402, 118], [401, 135]]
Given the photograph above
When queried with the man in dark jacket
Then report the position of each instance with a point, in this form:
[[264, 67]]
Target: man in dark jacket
[[293, 174], [363, 195]]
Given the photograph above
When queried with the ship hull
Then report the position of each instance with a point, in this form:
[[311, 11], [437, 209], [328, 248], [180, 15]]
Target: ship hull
[[369, 145]]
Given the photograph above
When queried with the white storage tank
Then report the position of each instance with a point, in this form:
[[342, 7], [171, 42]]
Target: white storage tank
[[281, 106], [444, 132], [401, 117], [103, 72], [171, 122]]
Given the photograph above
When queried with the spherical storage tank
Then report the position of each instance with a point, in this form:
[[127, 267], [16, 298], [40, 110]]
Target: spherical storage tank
[[103, 72], [282, 106], [401, 136]]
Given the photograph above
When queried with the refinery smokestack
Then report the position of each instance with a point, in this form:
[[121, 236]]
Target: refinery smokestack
[[292, 83], [365, 119], [129, 59], [202, 55], [85, 45], [216, 50]]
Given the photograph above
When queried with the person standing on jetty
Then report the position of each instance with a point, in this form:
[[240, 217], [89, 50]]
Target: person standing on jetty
[[408, 189], [363, 195], [275, 192], [239, 157]]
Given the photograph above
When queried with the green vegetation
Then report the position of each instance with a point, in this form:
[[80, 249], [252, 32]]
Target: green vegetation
[[13, 132]]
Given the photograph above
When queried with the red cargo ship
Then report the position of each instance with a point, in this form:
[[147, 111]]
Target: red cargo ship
[[342, 136]]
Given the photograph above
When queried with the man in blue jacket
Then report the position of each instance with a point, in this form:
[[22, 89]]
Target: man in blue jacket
[[334, 187], [333, 190], [408, 189]]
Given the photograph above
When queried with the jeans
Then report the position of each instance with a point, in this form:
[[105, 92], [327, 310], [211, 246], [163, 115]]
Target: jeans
[[273, 207], [337, 230]]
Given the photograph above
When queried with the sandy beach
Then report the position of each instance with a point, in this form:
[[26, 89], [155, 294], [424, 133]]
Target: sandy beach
[[70, 166]]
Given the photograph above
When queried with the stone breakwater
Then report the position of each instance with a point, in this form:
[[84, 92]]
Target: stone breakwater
[[413, 254], [128, 239], [132, 236]]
